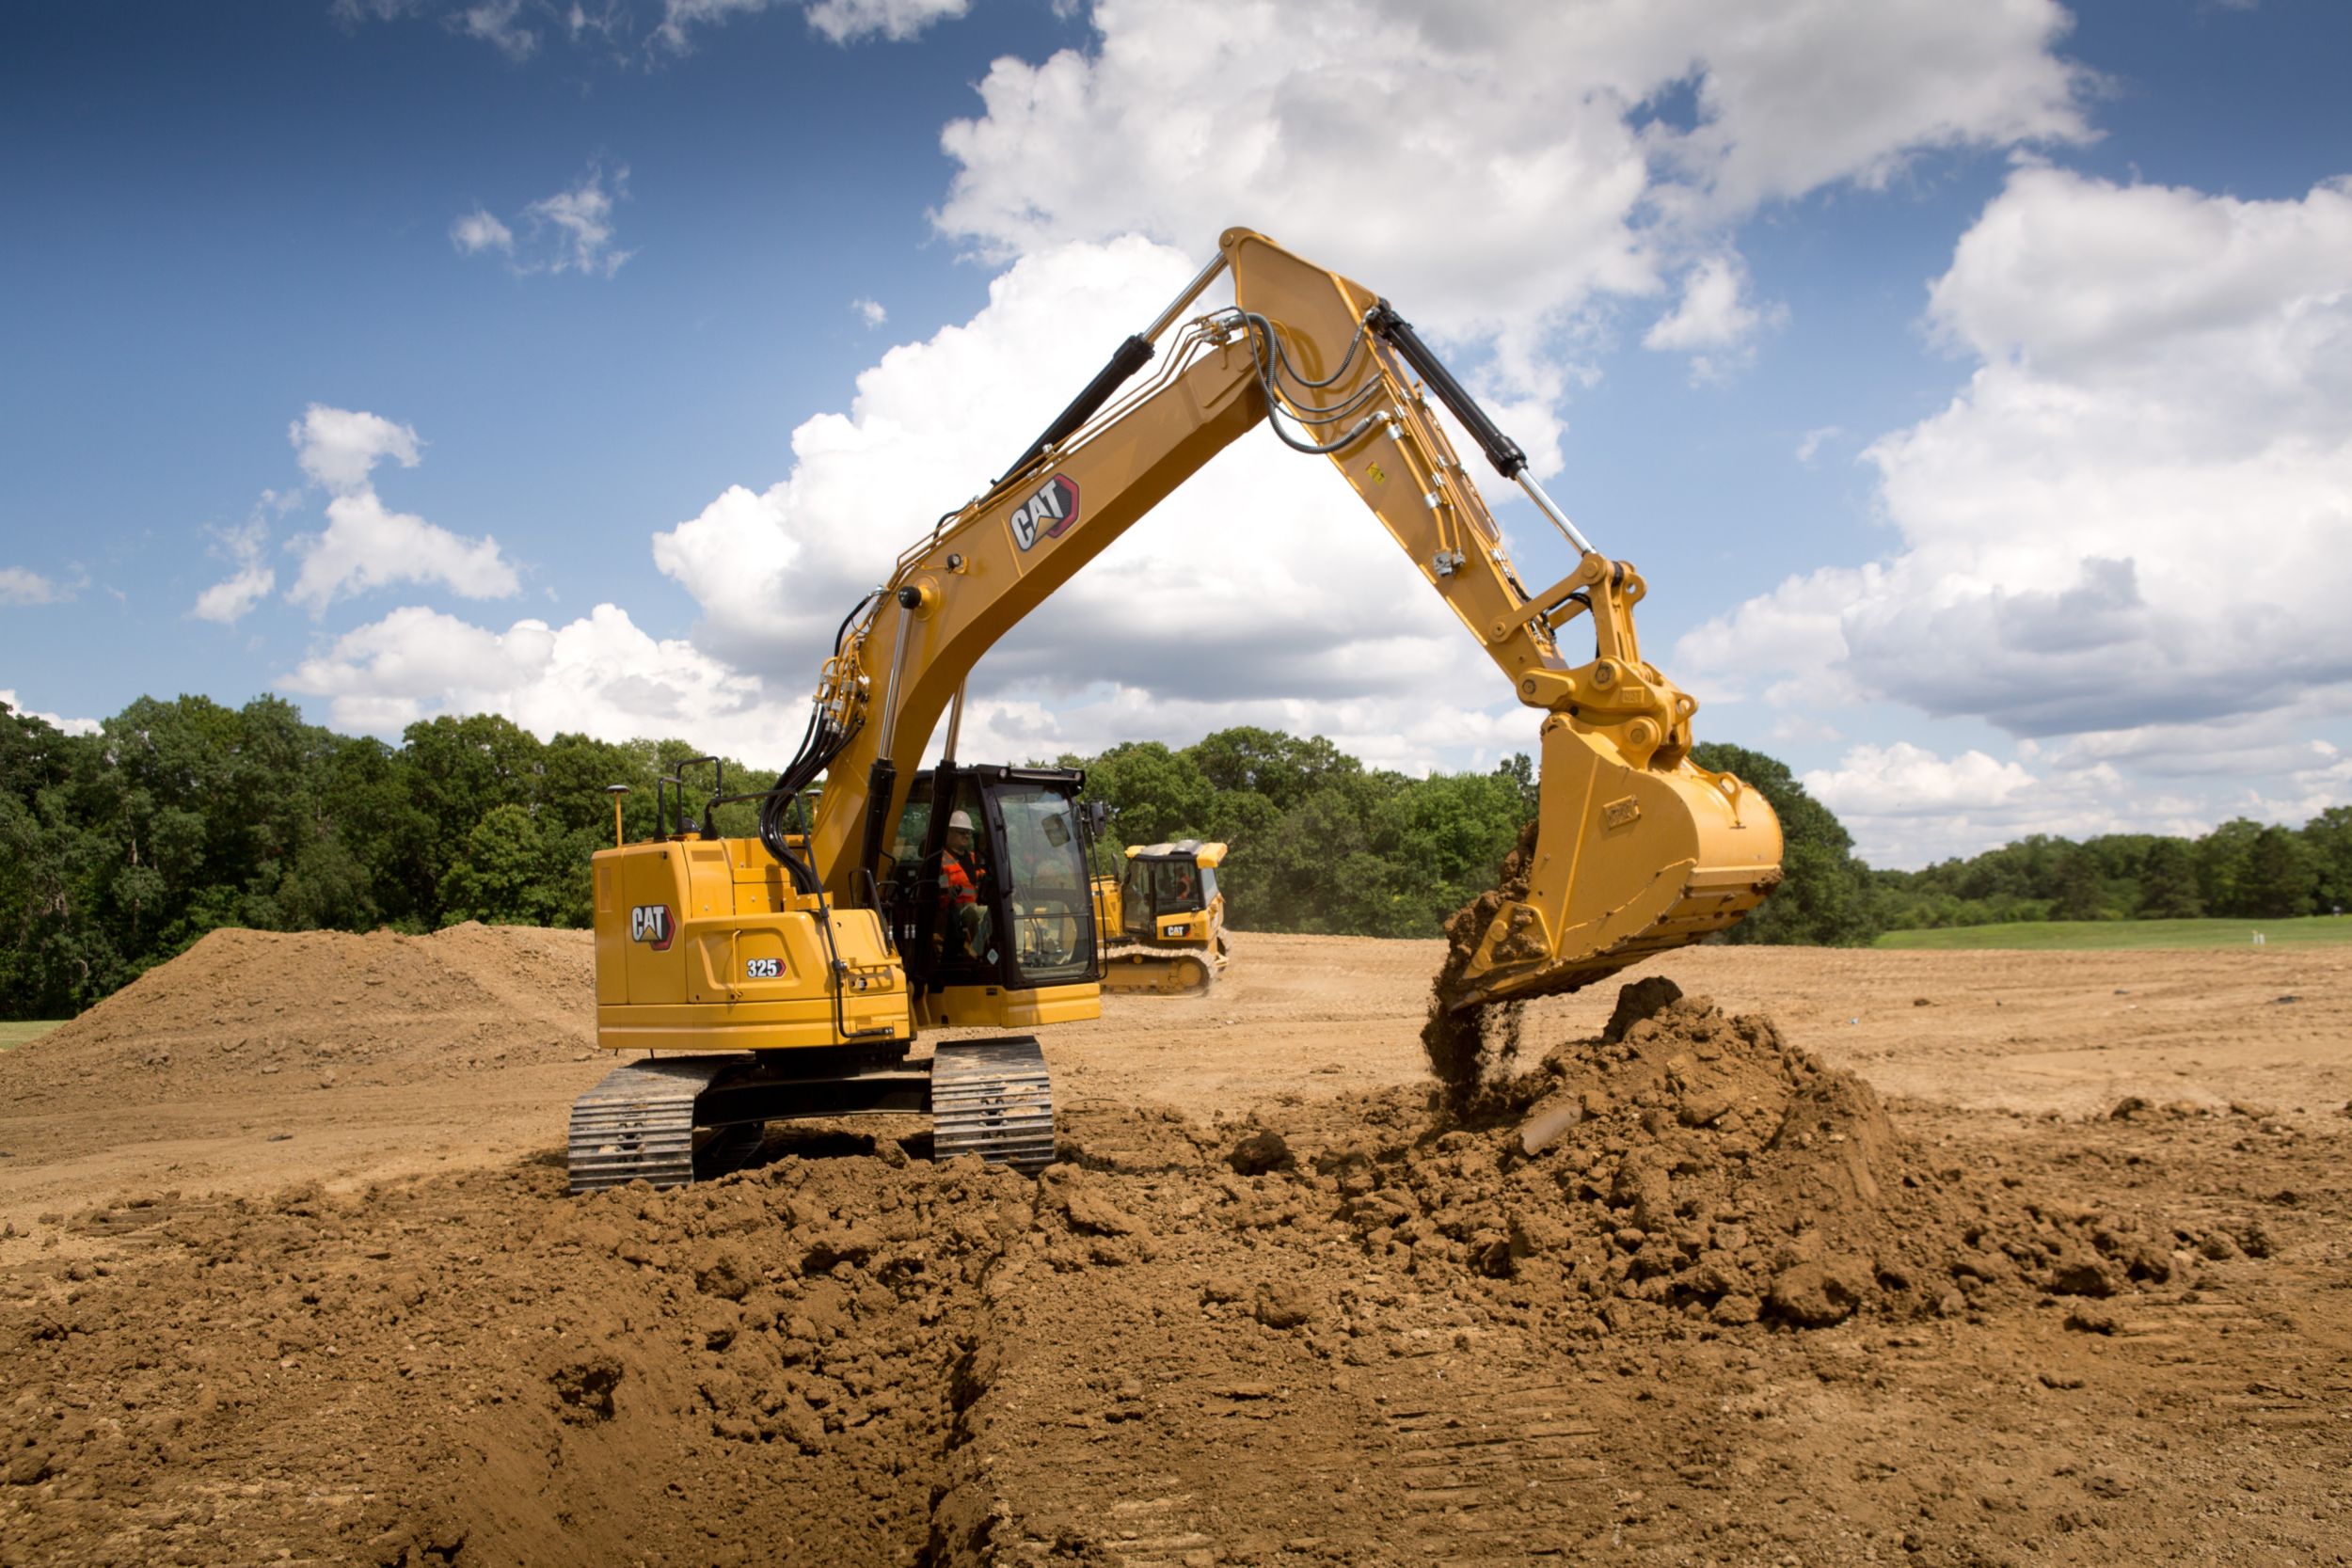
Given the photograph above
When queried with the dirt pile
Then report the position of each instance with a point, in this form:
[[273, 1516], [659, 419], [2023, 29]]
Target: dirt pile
[[479, 1370], [1310, 1330], [849, 1355], [1699, 1164], [1328, 1331], [261, 1011]]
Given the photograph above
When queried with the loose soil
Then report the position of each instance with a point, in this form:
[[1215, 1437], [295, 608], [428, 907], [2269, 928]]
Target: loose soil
[[1466, 1044], [1881, 1276]]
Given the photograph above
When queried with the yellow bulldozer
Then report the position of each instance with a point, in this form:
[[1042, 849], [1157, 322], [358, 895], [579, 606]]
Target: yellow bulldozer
[[789, 973], [1162, 920]]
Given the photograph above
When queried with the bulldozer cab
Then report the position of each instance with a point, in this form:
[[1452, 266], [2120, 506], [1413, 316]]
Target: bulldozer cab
[[986, 882], [1164, 879]]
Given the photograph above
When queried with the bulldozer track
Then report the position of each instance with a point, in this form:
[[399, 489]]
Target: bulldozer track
[[992, 1099], [1153, 971]]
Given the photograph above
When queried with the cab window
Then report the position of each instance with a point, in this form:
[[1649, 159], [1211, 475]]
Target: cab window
[[1049, 904], [1134, 897], [906, 848], [1176, 887]]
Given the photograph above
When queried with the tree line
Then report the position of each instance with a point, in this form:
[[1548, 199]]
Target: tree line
[[121, 849], [2241, 870]]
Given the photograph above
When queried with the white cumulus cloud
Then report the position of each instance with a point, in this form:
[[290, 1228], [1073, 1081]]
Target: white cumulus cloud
[[899, 19], [339, 448], [479, 230], [1488, 164], [1907, 805], [499, 22], [2138, 513], [840, 21], [599, 674], [365, 543], [572, 230], [1810, 446], [71, 726], [231, 599], [579, 221], [1714, 321]]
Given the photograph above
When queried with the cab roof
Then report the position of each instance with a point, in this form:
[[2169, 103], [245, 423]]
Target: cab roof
[[1188, 849]]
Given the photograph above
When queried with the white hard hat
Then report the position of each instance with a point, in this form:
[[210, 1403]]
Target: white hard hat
[[960, 819]]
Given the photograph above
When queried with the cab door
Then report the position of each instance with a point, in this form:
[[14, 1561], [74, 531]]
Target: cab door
[[943, 940], [1045, 907]]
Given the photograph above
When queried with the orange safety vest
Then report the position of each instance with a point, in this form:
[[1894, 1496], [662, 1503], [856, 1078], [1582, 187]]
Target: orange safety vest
[[955, 883]]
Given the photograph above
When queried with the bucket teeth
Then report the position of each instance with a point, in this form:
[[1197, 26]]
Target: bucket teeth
[[992, 1099]]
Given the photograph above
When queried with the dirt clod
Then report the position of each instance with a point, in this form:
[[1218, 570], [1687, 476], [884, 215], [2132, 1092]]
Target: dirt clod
[[1285, 1305], [1816, 1294], [585, 1388], [1261, 1151]]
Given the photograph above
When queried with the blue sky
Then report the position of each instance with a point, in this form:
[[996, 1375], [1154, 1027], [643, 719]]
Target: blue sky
[[1968, 380]]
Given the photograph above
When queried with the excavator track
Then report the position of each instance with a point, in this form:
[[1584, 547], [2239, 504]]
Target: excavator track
[[988, 1097], [638, 1124], [992, 1099]]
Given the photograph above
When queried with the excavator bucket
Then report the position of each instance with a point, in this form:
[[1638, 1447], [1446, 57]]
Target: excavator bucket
[[1628, 862]]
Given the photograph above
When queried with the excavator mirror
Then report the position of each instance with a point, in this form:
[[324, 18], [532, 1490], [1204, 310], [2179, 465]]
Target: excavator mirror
[[1098, 817], [1057, 832]]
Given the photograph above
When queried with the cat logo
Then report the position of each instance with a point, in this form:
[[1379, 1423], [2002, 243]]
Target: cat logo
[[1045, 515], [653, 925]]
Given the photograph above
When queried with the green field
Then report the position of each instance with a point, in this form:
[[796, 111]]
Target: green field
[[16, 1034], [2056, 935]]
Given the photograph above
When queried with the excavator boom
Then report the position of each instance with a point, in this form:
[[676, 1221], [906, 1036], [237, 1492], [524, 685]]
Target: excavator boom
[[1639, 850]]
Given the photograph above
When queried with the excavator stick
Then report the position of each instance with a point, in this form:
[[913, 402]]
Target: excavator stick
[[1628, 862], [1638, 851]]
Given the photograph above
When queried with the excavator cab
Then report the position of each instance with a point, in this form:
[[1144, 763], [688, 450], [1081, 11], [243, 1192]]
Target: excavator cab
[[986, 883]]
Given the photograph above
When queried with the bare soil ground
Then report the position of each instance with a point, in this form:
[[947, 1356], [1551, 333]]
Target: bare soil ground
[[287, 1273]]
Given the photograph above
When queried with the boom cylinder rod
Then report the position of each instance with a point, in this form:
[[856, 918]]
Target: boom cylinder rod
[[955, 723], [909, 599], [1130, 356], [1200, 280]]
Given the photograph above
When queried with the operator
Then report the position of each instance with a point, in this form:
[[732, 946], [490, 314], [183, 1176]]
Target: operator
[[960, 876]]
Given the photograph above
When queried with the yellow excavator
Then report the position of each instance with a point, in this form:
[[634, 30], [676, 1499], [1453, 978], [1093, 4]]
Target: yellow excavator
[[789, 973], [1162, 920]]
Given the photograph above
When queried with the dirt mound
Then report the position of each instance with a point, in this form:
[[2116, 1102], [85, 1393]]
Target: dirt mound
[[254, 1010], [477, 1368], [1698, 1162], [1360, 1312], [852, 1357]]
